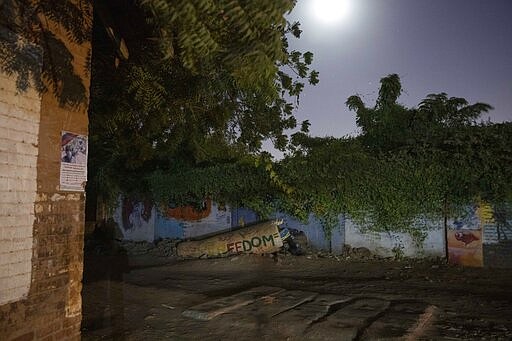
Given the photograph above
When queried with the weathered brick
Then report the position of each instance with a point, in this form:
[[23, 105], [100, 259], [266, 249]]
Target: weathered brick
[[74, 197], [7, 294], [47, 329], [20, 124], [15, 111], [16, 280], [41, 197], [18, 135], [13, 269], [13, 170], [16, 197], [24, 162], [30, 130], [24, 182], [25, 337], [72, 321], [66, 334], [15, 232], [49, 338], [46, 300], [15, 209], [15, 244], [14, 256]]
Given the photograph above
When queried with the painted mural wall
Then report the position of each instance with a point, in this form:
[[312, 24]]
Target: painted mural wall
[[465, 235], [312, 228], [142, 221], [136, 219], [384, 244], [481, 236], [139, 221], [193, 222], [241, 216], [315, 232]]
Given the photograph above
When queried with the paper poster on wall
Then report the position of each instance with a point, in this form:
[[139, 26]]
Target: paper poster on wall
[[465, 237], [73, 162]]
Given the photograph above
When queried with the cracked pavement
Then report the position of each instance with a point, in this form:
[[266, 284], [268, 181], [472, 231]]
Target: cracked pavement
[[252, 297]]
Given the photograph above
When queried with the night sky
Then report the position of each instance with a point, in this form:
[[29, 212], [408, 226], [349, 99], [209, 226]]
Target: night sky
[[461, 47]]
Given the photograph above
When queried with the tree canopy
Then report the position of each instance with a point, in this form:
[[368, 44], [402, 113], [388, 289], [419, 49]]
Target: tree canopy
[[175, 84], [205, 83], [184, 92], [408, 164], [34, 54]]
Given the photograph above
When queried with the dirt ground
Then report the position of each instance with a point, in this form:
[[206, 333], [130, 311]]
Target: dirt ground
[[144, 297]]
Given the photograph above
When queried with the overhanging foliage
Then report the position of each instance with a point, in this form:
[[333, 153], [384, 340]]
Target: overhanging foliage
[[409, 166], [205, 83]]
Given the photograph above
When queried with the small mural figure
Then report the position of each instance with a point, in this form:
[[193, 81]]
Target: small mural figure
[[465, 237], [135, 213]]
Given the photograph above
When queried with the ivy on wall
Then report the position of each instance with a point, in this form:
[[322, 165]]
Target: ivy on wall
[[409, 166]]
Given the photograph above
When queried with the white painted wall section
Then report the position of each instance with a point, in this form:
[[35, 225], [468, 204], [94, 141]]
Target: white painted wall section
[[19, 132], [382, 243]]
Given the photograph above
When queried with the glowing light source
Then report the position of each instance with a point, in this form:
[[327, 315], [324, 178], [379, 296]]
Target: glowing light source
[[330, 11]]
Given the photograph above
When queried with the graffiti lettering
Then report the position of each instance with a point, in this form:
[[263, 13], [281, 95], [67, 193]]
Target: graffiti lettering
[[270, 238], [247, 245], [255, 242]]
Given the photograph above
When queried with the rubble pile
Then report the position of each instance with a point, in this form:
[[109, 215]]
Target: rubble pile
[[359, 253], [136, 248], [161, 248], [167, 247]]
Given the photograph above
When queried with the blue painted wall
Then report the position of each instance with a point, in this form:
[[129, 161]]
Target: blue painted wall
[[312, 229], [315, 233], [168, 228], [243, 216], [217, 221]]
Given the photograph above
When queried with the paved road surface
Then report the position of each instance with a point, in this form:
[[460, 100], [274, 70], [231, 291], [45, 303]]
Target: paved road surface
[[255, 298]]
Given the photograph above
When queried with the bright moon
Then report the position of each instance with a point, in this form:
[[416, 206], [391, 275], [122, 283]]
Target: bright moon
[[330, 11]]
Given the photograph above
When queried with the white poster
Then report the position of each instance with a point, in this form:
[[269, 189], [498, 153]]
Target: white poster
[[73, 162]]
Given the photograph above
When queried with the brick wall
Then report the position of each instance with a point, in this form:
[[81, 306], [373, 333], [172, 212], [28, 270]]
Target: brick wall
[[19, 131], [49, 224]]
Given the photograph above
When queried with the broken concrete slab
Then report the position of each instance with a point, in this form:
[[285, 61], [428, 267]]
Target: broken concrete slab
[[293, 323], [399, 318], [263, 311], [349, 321], [273, 305], [211, 309], [259, 238]]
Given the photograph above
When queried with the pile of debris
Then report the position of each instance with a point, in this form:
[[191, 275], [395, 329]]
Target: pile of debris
[[358, 253], [265, 237], [160, 248], [167, 247]]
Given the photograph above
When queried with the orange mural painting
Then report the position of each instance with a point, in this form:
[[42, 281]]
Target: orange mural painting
[[465, 247], [189, 212], [465, 235]]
